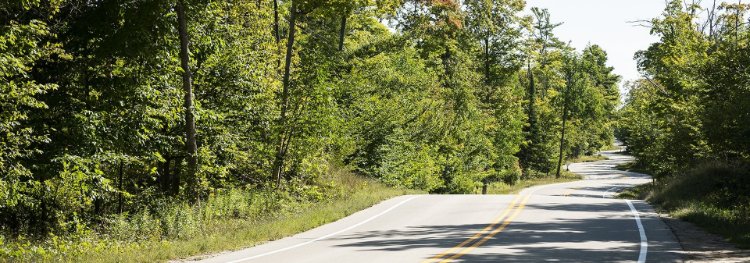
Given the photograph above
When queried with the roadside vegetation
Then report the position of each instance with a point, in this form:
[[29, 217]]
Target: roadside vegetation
[[587, 159], [636, 167], [146, 130], [710, 195], [227, 220], [686, 121], [505, 188]]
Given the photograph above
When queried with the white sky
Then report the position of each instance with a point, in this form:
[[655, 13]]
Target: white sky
[[607, 24]]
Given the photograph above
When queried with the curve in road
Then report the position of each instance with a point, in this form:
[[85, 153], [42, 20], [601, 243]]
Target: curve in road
[[569, 222]]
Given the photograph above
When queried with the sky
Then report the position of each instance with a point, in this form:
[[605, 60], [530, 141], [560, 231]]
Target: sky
[[607, 23]]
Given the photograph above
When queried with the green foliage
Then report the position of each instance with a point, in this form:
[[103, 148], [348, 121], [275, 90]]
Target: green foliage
[[93, 126], [563, 85], [230, 219], [686, 121], [688, 108], [395, 147], [506, 188], [712, 195]]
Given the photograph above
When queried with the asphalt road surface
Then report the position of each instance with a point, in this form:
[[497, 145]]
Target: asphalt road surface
[[570, 222]]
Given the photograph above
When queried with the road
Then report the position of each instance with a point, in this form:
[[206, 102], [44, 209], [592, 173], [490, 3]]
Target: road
[[568, 222]]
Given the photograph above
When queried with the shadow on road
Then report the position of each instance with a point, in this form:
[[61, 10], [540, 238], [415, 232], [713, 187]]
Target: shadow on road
[[599, 239]]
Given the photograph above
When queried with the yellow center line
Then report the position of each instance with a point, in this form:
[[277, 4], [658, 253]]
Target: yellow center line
[[478, 234], [491, 234]]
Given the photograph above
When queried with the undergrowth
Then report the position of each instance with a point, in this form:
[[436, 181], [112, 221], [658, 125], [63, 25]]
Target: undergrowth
[[230, 219], [504, 188], [714, 196]]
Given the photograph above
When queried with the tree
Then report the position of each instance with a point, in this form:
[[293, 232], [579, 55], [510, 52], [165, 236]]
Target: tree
[[100, 124], [24, 44], [191, 147], [536, 151], [571, 76]]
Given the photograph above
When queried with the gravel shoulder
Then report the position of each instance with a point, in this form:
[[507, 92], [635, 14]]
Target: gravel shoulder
[[701, 246]]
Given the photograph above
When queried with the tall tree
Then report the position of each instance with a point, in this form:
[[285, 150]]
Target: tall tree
[[191, 146], [570, 71], [283, 141], [535, 152]]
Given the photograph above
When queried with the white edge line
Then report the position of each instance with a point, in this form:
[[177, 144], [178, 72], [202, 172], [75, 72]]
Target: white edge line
[[644, 240], [326, 236]]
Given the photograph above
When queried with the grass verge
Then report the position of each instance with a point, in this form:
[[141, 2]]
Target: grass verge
[[713, 196], [633, 167], [503, 188], [240, 226], [587, 159]]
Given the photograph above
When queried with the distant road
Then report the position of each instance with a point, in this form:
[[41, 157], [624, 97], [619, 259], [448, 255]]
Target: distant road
[[568, 222]]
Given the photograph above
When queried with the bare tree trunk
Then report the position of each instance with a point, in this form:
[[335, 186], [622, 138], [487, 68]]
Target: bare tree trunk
[[711, 17], [191, 147], [342, 31], [281, 146]]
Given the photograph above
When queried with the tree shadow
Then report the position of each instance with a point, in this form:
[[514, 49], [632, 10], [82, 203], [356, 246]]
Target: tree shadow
[[611, 237]]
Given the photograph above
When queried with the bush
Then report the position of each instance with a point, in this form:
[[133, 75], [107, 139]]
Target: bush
[[713, 195], [719, 184]]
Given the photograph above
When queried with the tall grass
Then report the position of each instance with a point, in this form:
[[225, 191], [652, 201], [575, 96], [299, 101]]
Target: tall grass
[[228, 219], [713, 195]]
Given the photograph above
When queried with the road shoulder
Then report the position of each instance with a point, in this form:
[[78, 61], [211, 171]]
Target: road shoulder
[[701, 246]]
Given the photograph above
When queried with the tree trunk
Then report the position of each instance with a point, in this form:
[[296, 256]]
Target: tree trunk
[[564, 120], [281, 147], [532, 98], [487, 64], [175, 180], [191, 147], [532, 103], [119, 186], [711, 17], [276, 33], [532, 129], [342, 30], [165, 178], [276, 21]]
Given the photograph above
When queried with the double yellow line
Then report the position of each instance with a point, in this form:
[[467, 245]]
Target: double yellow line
[[485, 234]]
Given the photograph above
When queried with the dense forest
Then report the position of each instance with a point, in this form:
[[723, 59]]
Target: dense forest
[[113, 110], [688, 119], [693, 104]]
